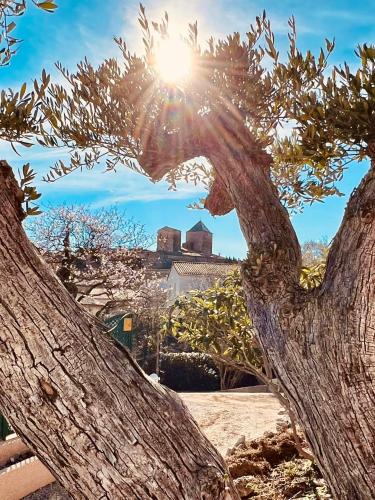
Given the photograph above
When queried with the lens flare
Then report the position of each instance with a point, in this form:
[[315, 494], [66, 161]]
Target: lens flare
[[173, 60]]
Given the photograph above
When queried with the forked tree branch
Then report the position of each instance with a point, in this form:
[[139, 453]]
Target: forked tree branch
[[242, 180]]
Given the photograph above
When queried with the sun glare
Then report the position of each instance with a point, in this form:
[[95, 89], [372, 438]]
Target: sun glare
[[173, 60]]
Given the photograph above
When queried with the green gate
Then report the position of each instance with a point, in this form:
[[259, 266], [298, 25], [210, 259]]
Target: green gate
[[121, 328], [5, 428]]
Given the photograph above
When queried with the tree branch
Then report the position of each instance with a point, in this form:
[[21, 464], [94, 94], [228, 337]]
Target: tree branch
[[242, 172], [164, 150], [352, 253], [99, 393]]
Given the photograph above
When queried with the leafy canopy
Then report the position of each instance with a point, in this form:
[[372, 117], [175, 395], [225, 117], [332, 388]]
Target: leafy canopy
[[121, 110]]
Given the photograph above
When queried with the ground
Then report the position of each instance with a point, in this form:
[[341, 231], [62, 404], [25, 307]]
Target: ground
[[269, 468], [226, 417]]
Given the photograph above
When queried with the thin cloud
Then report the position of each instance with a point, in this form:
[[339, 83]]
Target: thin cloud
[[108, 188]]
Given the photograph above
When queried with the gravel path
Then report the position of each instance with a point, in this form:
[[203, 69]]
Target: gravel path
[[226, 417]]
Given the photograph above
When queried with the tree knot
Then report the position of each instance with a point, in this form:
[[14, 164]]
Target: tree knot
[[218, 201], [48, 391]]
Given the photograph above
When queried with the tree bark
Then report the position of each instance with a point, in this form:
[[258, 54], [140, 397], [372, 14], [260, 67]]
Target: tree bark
[[79, 400], [320, 343]]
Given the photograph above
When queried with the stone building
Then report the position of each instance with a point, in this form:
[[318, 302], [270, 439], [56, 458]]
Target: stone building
[[196, 248], [199, 239], [168, 240], [166, 264]]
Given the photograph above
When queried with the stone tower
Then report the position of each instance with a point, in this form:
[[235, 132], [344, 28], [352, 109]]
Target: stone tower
[[199, 239], [169, 240]]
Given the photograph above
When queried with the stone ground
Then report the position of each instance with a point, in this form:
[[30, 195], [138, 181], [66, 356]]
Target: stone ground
[[226, 417]]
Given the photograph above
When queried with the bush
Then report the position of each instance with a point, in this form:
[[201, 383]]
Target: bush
[[189, 371]]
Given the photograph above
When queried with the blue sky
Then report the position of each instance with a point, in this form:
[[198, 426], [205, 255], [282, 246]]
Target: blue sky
[[87, 27]]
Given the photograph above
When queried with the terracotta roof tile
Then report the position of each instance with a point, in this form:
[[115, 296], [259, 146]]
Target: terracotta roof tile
[[204, 268]]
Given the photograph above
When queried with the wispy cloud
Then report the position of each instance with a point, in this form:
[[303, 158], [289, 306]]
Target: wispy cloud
[[108, 188]]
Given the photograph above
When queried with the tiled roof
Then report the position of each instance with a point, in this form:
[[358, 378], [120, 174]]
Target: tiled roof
[[199, 226], [204, 268]]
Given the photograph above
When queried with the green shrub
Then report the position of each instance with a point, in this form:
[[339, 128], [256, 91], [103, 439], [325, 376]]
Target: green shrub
[[189, 371]]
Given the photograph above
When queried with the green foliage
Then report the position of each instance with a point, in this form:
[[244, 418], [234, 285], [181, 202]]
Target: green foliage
[[20, 117], [189, 371], [336, 117], [10, 10], [122, 108], [311, 277], [216, 321], [29, 191], [314, 257]]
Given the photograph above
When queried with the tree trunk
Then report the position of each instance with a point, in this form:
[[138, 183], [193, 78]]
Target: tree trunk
[[79, 400], [320, 343]]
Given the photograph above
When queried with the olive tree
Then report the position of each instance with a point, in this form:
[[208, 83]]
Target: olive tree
[[76, 397], [319, 341]]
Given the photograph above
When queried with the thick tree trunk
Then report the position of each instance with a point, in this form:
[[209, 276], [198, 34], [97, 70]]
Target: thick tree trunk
[[79, 400], [320, 343]]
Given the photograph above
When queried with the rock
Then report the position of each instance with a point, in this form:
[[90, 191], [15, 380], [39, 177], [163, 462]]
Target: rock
[[240, 441], [243, 485], [282, 424]]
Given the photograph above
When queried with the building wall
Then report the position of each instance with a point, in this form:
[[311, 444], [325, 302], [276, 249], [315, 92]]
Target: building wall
[[180, 285], [199, 241]]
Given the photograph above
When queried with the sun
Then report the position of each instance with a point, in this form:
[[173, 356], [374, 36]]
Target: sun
[[173, 60]]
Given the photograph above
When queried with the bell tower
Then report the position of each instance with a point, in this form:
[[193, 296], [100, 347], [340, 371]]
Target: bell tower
[[199, 239]]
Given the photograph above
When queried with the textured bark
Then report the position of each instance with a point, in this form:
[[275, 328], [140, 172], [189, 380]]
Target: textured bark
[[320, 343], [79, 400]]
